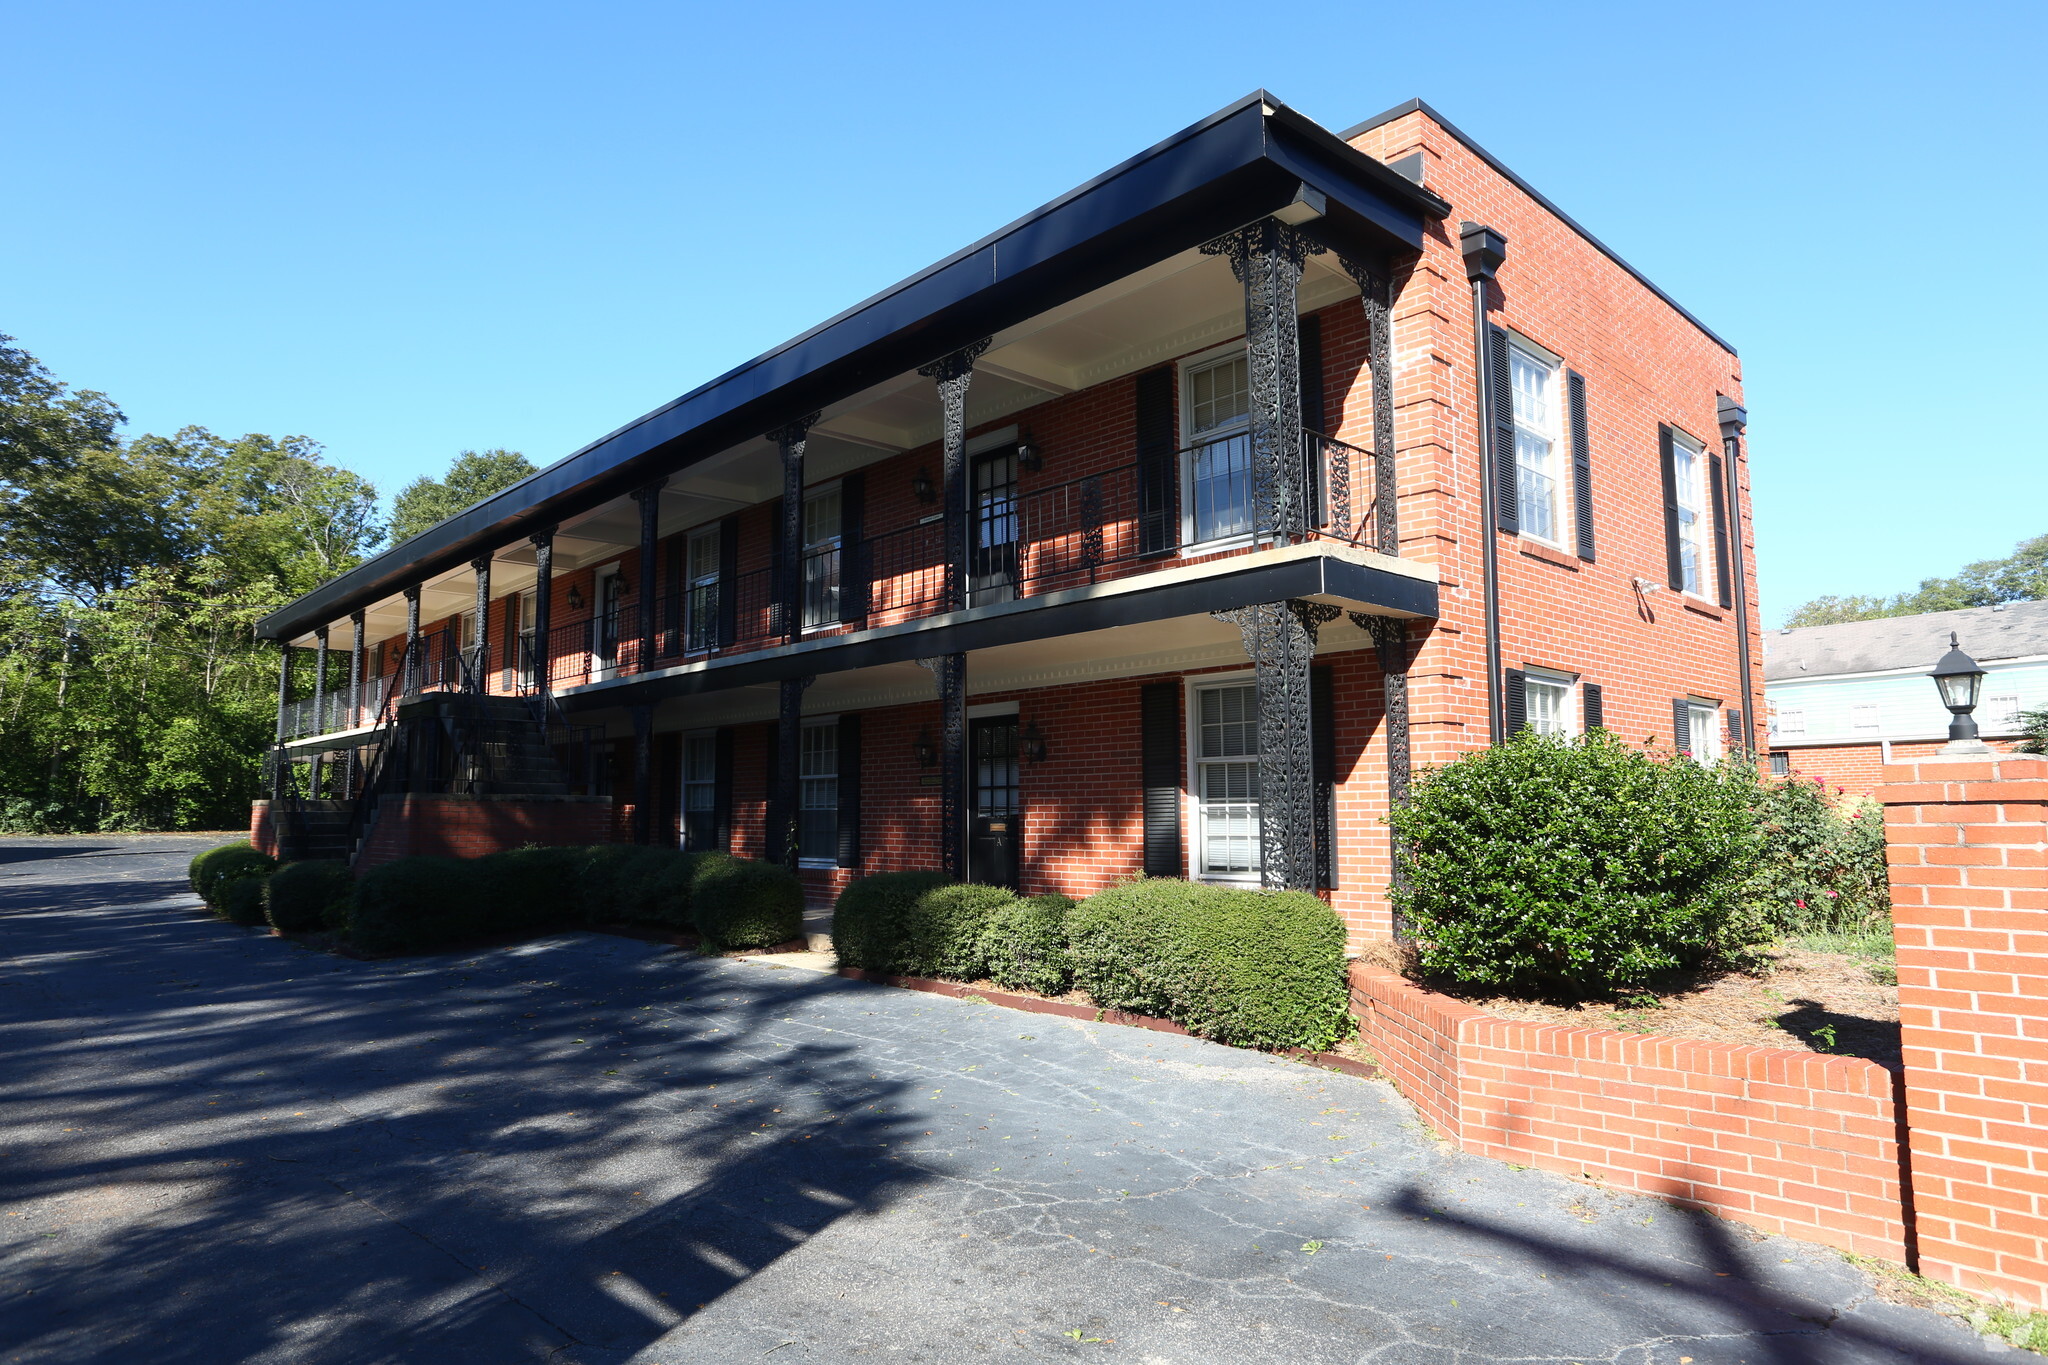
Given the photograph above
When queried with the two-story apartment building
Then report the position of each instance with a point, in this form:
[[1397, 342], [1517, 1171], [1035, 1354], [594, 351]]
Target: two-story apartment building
[[1169, 529], [1847, 699]]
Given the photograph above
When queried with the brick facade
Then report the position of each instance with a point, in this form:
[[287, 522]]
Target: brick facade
[[471, 826], [1858, 769]]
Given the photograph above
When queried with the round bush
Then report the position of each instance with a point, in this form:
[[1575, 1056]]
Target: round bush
[[214, 868], [870, 920], [615, 884], [1025, 945], [1823, 866], [740, 903], [418, 903], [1250, 968], [241, 899], [304, 896], [946, 930], [529, 888], [1577, 868]]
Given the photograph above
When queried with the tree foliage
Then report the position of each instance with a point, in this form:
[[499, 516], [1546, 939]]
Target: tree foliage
[[2021, 576], [474, 476]]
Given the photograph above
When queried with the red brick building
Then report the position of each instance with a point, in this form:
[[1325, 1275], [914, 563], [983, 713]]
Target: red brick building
[[1167, 530]]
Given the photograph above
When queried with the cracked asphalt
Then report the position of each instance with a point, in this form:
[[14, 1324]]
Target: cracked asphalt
[[218, 1146]]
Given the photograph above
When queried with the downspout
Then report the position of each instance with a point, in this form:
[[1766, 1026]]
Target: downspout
[[1734, 418], [1484, 251]]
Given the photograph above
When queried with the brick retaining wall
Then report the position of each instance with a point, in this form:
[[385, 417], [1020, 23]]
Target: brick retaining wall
[[471, 826]]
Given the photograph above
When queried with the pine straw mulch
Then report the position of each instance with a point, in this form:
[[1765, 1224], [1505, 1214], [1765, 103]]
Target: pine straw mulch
[[1785, 996]]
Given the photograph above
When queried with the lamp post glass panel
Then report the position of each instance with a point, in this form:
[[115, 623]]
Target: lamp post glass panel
[[1959, 680]]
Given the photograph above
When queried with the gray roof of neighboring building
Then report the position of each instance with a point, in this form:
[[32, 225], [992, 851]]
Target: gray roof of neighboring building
[[2013, 631]]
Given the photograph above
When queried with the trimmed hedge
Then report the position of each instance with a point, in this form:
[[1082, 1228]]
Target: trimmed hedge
[[309, 895], [871, 920], [417, 903], [740, 903], [1251, 968], [241, 899], [1024, 943], [529, 888], [215, 867]]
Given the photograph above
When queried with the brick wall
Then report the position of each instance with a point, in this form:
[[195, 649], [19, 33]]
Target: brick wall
[[1968, 846], [1793, 1142], [262, 828], [471, 826], [1858, 769]]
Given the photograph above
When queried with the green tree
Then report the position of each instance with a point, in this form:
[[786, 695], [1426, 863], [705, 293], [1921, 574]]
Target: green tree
[[474, 476], [43, 423], [2021, 576], [2035, 723]]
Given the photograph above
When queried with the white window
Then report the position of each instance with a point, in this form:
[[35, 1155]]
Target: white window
[[700, 792], [1788, 723], [1703, 731], [821, 557], [1549, 704], [700, 606], [1539, 484], [1217, 473], [1688, 469], [605, 619], [468, 630], [1226, 745], [528, 647], [817, 820], [2001, 712], [1865, 719]]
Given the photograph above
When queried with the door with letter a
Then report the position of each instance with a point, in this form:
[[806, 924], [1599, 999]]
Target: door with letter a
[[995, 830]]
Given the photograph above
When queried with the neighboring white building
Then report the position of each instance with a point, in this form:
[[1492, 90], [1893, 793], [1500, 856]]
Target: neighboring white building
[[1841, 697]]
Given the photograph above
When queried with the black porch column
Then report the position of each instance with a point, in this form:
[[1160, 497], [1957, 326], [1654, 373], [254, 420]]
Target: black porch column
[[781, 833], [409, 684], [789, 536], [543, 607], [643, 773], [648, 495], [953, 373], [1280, 637], [1376, 294], [355, 699], [1390, 642], [1267, 257], [480, 666], [284, 699], [320, 725], [949, 671]]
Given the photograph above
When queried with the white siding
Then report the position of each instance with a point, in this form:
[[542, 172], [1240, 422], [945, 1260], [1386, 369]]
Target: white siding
[[1906, 704]]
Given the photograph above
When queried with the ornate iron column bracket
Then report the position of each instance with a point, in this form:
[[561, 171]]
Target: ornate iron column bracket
[[780, 840], [481, 665], [543, 609], [790, 439], [355, 699], [1280, 638], [1376, 293], [409, 684], [953, 373], [949, 671], [648, 495], [1390, 642], [1266, 257]]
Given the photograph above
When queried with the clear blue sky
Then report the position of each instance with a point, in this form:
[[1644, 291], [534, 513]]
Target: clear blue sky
[[408, 229]]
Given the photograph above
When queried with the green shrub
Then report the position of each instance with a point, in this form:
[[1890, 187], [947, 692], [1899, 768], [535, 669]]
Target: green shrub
[[1822, 869], [1024, 943], [1250, 968], [241, 898], [870, 920], [303, 896], [529, 888], [663, 893], [213, 869], [612, 883], [1578, 867], [740, 903], [947, 929], [418, 903]]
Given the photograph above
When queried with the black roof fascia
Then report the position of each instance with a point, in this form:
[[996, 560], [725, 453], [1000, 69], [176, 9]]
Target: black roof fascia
[[1241, 163], [1422, 106]]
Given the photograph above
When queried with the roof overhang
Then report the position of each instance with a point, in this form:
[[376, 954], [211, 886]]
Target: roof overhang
[[1240, 164]]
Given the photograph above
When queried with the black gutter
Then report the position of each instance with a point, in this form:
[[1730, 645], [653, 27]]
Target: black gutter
[[1421, 106], [1241, 163], [1734, 417], [1484, 250]]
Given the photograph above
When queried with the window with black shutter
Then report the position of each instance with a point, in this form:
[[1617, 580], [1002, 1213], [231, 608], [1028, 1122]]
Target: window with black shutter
[[1593, 703], [1674, 551], [1681, 724], [853, 565], [1159, 737], [849, 789], [1158, 507], [1719, 494], [1515, 701], [1501, 398], [721, 800], [1582, 462]]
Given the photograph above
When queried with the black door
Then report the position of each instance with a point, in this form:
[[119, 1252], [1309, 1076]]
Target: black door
[[992, 566], [995, 830]]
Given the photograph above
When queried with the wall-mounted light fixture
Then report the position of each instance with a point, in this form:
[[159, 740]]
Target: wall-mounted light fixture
[[1029, 455], [1032, 742], [575, 598], [921, 485], [927, 752]]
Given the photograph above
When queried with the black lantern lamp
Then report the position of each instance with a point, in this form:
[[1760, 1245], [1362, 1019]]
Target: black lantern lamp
[[922, 487], [927, 752], [575, 598], [1960, 680], [1029, 456], [1032, 742]]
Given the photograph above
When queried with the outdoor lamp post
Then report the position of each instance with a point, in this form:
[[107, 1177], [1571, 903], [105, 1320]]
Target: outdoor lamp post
[[1960, 680]]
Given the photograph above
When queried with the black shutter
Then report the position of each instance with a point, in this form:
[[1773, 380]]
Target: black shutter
[[1720, 531], [672, 599], [778, 589], [1681, 725], [774, 819], [1314, 479], [1159, 738], [1158, 512], [853, 564], [1594, 706], [1514, 701], [1582, 462], [1507, 504], [1674, 560], [728, 582], [1322, 721], [721, 791], [1738, 737], [849, 789]]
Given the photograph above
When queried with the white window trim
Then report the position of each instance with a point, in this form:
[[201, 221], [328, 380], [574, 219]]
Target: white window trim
[[1184, 462], [1192, 832], [1570, 682], [817, 723], [839, 538], [1703, 514], [1717, 742], [1559, 455]]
